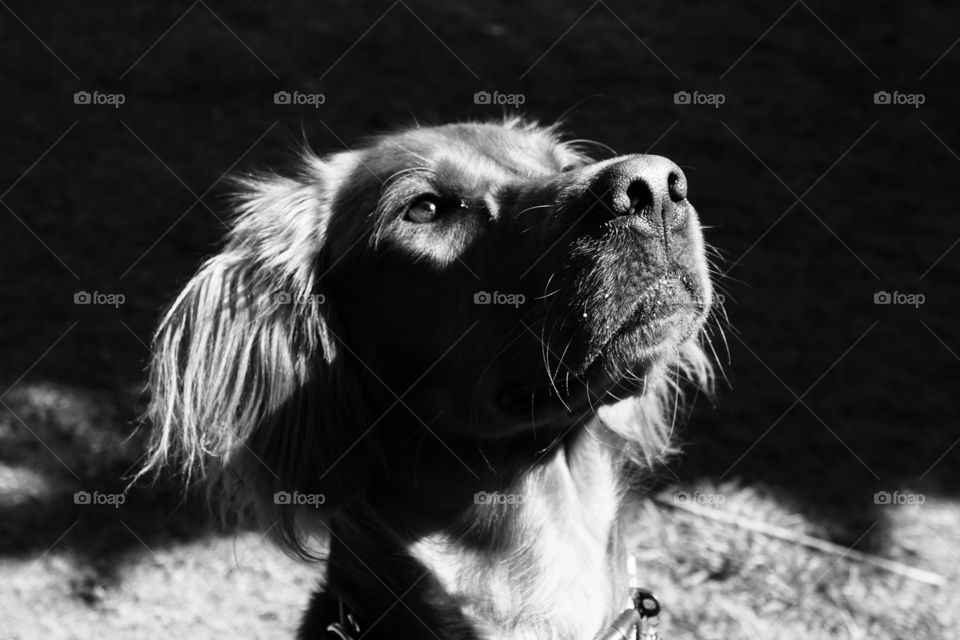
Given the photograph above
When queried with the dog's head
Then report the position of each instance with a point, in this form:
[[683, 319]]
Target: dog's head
[[477, 281]]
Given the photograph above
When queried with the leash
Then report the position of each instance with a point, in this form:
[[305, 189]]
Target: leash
[[639, 621]]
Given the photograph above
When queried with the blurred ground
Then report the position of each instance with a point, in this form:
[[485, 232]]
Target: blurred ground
[[818, 197]]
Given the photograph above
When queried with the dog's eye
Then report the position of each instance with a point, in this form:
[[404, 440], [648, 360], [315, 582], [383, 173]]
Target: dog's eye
[[423, 210], [429, 207]]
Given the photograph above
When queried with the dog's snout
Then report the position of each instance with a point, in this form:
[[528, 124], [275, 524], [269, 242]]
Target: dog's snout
[[651, 187]]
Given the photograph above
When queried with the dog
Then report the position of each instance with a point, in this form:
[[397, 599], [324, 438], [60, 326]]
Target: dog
[[436, 361]]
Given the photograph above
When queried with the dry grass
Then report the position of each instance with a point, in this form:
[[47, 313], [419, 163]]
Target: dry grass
[[155, 568], [214, 587], [717, 580]]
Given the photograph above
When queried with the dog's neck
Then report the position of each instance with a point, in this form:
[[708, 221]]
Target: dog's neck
[[500, 555]]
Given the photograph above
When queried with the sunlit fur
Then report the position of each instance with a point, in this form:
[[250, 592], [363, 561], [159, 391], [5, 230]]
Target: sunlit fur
[[249, 396], [237, 377]]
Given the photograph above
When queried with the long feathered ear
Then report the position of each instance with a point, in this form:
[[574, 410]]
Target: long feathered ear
[[248, 392]]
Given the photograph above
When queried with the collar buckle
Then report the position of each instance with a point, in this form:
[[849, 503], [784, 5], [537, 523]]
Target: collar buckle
[[346, 628]]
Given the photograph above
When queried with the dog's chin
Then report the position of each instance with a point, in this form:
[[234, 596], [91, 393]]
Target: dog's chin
[[646, 338], [614, 370]]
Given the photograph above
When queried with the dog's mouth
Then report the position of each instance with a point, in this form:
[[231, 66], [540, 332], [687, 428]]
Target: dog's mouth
[[666, 314]]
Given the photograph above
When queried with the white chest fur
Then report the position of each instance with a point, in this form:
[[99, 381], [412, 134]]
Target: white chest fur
[[550, 576]]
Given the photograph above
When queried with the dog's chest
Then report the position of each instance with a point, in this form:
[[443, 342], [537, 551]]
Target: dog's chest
[[551, 577]]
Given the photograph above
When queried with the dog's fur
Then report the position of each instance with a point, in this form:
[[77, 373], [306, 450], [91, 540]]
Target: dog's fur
[[471, 459]]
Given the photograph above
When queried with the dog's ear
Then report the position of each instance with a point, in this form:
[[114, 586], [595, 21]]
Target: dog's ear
[[248, 390]]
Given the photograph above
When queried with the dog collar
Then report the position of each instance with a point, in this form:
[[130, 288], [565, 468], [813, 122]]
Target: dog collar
[[346, 628], [637, 622]]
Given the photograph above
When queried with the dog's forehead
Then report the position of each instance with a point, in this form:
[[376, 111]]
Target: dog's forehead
[[511, 148]]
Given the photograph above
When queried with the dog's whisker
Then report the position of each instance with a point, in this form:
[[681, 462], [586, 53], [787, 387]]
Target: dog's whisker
[[718, 363], [393, 177], [594, 143], [533, 208]]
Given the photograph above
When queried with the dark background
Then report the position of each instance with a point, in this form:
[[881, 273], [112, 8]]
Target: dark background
[[129, 200]]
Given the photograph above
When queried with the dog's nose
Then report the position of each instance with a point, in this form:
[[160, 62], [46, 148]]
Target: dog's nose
[[651, 187]]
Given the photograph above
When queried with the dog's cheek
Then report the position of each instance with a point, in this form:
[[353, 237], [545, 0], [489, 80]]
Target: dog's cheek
[[439, 244]]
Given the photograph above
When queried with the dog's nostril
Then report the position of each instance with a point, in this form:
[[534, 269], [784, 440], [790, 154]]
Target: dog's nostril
[[640, 195], [677, 186]]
